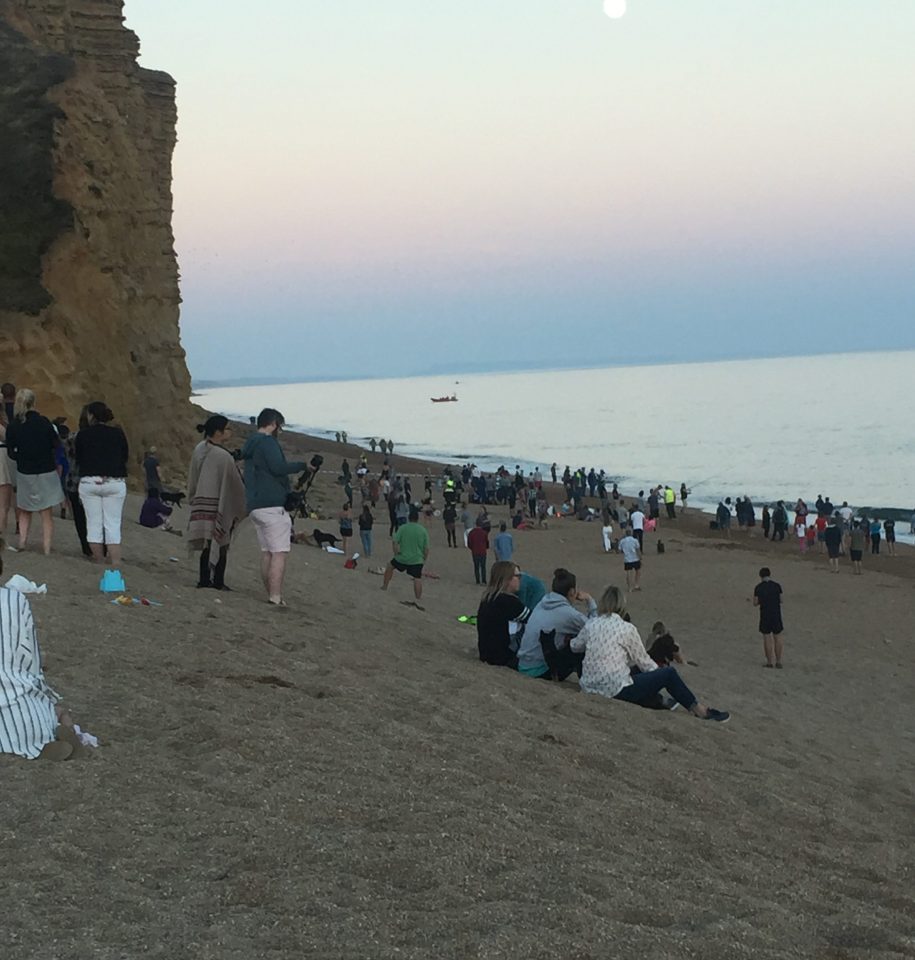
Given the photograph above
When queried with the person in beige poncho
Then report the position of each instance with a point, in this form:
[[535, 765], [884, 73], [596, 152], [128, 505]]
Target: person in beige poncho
[[216, 493]]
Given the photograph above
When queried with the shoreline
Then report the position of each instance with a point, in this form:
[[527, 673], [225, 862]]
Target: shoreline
[[420, 466]]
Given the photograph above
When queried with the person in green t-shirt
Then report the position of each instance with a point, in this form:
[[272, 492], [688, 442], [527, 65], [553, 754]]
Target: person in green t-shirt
[[411, 547]]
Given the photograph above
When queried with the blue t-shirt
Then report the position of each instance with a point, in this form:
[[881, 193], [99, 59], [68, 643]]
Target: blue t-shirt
[[504, 546]]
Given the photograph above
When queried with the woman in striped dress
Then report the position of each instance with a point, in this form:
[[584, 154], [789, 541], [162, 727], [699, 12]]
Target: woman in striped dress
[[30, 720]]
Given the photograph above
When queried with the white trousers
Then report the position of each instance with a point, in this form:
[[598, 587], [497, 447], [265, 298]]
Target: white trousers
[[103, 501]]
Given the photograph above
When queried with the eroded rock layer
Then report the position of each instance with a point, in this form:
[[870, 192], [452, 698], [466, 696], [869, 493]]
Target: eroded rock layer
[[88, 276]]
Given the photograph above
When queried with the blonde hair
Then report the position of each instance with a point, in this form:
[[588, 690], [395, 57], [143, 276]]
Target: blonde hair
[[500, 577], [25, 401], [612, 601]]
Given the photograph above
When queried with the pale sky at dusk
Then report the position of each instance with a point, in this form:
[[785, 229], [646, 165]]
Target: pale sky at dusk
[[366, 187]]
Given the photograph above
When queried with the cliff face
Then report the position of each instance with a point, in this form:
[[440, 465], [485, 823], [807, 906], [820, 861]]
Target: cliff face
[[88, 275]]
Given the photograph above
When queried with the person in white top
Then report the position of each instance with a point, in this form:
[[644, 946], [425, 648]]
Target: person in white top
[[612, 647], [632, 560], [637, 521]]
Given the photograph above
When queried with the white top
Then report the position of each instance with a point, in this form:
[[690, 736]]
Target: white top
[[637, 519], [28, 719], [629, 548], [611, 648]]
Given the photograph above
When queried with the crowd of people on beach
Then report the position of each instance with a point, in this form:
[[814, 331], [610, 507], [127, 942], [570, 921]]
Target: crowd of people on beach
[[545, 634]]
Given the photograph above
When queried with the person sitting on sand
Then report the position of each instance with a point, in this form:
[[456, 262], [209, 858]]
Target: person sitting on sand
[[154, 513], [612, 647], [499, 616], [33, 725], [662, 648], [555, 613]]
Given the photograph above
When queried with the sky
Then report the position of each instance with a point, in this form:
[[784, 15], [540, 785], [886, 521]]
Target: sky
[[371, 188]]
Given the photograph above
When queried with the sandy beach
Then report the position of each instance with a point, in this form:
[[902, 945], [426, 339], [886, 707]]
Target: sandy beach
[[344, 779]]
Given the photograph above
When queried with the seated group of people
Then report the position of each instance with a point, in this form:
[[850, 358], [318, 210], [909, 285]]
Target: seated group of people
[[542, 634]]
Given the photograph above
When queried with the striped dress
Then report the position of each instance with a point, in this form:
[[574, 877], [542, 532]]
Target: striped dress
[[28, 719]]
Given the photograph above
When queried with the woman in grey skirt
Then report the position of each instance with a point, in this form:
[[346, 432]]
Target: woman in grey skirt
[[31, 441]]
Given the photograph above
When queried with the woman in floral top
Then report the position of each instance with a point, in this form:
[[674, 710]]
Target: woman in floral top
[[613, 647]]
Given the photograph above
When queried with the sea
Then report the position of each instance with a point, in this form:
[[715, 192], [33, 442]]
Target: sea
[[841, 425]]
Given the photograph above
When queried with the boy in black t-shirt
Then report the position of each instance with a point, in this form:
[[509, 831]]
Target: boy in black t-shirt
[[768, 597]]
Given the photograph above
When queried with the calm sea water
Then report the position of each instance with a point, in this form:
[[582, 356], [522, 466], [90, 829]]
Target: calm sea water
[[842, 425]]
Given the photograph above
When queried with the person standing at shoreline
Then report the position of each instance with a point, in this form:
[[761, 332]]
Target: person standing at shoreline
[[768, 597], [832, 538], [856, 546], [266, 488], [889, 534], [875, 536], [637, 519]]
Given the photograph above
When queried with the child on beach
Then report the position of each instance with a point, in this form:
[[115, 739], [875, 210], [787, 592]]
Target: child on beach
[[801, 532], [768, 597], [811, 537]]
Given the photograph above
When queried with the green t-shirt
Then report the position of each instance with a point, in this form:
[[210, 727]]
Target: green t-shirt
[[413, 539]]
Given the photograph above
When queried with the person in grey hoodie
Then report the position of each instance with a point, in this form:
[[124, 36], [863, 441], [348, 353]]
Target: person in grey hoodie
[[266, 488], [555, 612]]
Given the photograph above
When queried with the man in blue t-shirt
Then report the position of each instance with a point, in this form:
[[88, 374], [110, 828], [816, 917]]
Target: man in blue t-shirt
[[503, 546]]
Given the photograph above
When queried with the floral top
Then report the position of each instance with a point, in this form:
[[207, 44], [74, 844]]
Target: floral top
[[611, 647]]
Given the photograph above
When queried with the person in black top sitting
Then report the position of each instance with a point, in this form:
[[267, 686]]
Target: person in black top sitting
[[31, 441], [101, 458], [499, 608]]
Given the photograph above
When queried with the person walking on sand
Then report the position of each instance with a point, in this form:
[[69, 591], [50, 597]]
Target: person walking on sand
[[266, 487], [478, 543], [346, 524], [670, 502], [503, 546], [632, 561], [768, 597], [411, 550], [366, 522], [637, 521], [832, 537], [856, 543]]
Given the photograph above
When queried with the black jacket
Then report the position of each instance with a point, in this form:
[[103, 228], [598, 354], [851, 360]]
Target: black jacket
[[31, 443]]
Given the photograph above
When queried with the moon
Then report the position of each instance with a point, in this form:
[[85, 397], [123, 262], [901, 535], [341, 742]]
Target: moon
[[615, 8]]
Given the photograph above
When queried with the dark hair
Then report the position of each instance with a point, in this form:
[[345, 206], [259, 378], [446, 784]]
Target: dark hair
[[7, 391], [563, 581], [99, 412], [765, 572], [502, 525], [215, 424], [414, 514], [268, 416]]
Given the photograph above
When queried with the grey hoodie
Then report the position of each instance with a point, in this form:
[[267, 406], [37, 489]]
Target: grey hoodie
[[553, 612]]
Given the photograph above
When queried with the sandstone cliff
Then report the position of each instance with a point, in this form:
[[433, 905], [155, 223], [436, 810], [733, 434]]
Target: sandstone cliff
[[88, 275]]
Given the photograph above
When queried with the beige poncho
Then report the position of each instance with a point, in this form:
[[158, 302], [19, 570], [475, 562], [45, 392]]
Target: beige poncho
[[217, 496]]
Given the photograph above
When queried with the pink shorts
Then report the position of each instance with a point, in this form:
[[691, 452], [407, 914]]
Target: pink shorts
[[274, 529]]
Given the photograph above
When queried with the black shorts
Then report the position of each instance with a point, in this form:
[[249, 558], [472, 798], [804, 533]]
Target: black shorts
[[771, 625], [414, 569], [344, 532], [890, 536], [855, 555], [635, 565]]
